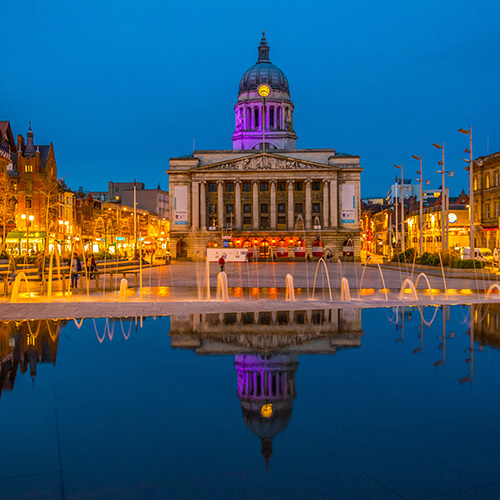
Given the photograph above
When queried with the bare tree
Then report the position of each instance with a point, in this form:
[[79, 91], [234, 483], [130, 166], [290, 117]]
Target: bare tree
[[8, 202]]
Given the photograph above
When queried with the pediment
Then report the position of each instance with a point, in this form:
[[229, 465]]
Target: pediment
[[263, 161]]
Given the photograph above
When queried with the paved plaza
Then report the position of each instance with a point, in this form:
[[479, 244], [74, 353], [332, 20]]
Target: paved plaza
[[179, 289]]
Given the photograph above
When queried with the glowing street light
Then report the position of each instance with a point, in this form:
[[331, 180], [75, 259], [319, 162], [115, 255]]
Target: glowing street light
[[29, 219], [471, 190]]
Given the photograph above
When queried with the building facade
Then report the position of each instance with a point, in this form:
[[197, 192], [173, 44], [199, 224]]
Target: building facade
[[486, 185], [264, 194], [152, 200]]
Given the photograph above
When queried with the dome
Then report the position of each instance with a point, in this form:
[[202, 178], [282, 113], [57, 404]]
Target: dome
[[263, 72]]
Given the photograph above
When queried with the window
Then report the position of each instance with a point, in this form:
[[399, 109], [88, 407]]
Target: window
[[212, 187], [315, 208], [264, 186], [264, 222], [247, 186], [229, 187], [281, 186], [475, 183], [299, 186], [28, 168], [281, 208], [264, 208], [487, 210], [212, 209], [271, 118], [487, 181], [316, 186], [496, 178], [229, 208], [28, 203], [247, 208], [281, 220], [298, 208], [256, 118], [496, 209], [247, 220]]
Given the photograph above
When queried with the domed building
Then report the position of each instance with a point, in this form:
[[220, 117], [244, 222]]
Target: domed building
[[250, 109], [264, 197]]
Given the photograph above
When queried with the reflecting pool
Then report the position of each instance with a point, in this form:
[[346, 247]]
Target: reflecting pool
[[334, 404]]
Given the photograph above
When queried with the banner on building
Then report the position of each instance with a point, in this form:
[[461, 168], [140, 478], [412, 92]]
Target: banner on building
[[181, 206], [348, 204]]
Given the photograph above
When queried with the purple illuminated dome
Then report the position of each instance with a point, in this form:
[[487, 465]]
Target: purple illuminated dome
[[256, 121], [263, 71]]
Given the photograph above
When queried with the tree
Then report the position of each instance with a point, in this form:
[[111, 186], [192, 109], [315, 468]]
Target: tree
[[8, 202]]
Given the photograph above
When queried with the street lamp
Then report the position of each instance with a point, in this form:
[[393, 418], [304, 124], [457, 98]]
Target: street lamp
[[29, 219], [402, 209], [443, 196], [421, 200], [471, 190]]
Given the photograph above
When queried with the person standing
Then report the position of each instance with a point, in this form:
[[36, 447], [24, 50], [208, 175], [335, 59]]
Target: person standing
[[221, 263], [76, 267], [12, 267]]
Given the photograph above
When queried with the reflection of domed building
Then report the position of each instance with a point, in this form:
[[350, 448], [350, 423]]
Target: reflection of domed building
[[266, 388], [266, 346], [263, 191]]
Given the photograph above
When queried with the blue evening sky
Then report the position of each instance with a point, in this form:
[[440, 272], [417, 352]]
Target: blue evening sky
[[122, 86]]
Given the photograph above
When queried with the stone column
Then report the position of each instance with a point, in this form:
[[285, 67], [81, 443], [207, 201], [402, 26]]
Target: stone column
[[291, 221], [308, 205], [273, 205], [326, 210], [255, 205], [334, 204], [195, 205], [203, 205], [237, 202], [220, 206]]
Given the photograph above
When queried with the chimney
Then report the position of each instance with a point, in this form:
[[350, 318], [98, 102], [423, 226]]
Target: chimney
[[20, 142]]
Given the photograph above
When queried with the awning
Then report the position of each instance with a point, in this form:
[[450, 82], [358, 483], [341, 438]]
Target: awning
[[22, 234]]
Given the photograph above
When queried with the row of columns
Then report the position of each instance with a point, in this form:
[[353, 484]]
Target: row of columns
[[330, 204], [280, 111]]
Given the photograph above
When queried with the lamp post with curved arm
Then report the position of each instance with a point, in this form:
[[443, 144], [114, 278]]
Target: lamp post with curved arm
[[471, 190]]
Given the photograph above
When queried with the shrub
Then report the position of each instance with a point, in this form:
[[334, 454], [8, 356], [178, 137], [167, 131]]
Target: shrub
[[407, 256], [469, 264], [429, 259]]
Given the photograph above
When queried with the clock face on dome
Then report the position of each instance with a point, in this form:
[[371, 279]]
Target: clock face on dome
[[264, 90], [267, 410]]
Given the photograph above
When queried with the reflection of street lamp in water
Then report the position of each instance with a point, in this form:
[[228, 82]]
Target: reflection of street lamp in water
[[28, 219]]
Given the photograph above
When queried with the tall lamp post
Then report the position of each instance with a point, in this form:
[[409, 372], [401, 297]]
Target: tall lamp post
[[29, 219], [402, 209], [471, 190], [421, 200], [443, 196], [264, 90]]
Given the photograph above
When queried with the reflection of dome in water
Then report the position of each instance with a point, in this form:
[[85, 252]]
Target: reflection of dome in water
[[263, 382]]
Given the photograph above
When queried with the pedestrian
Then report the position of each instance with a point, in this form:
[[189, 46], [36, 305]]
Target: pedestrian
[[12, 267], [39, 263], [93, 264], [76, 267], [221, 263]]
